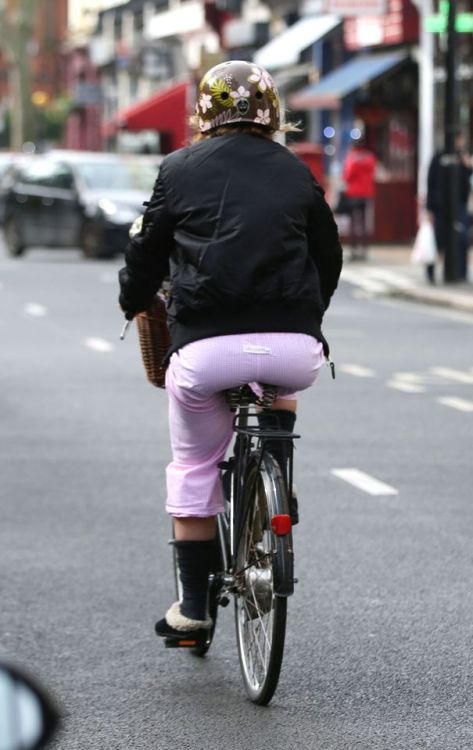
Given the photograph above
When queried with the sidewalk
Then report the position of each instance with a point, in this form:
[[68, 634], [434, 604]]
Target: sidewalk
[[389, 272]]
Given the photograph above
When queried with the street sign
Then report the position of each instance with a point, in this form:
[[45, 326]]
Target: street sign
[[438, 23]]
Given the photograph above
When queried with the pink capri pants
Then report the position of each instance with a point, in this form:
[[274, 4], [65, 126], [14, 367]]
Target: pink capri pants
[[200, 421]]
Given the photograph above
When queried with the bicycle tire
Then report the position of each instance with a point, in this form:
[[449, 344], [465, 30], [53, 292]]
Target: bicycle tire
[[264, 563], [212, 605]]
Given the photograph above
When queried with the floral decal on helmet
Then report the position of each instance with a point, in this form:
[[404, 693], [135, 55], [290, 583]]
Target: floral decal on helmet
[[263, 116], [262, 78], [205, 102], [221, 91], [239, 94]]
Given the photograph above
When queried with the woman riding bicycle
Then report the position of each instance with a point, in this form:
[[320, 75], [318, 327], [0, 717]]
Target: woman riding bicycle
[[251, 247]]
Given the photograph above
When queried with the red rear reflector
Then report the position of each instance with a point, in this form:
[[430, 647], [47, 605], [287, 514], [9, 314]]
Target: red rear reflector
[[281, 524]]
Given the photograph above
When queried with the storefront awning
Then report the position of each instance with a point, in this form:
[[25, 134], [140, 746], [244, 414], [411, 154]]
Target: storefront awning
[[165, 112], [330, 90], [285, 48]]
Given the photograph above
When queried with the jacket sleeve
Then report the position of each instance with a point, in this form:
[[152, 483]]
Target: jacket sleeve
[[147, 254], [324, 245]]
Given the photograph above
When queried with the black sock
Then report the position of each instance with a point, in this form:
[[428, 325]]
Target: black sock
[[195, 560]]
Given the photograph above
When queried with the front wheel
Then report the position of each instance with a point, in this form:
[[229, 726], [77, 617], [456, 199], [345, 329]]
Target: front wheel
[[264, 576], [13, 239]]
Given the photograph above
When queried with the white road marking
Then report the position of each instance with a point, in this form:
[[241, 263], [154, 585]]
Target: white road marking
[[405, 386], [363, 294], [409, 377], [109, 277], [460, 404], [376, 280], [369, 285], [451, 374], [365, 482], [35, 310], [393, 278], [99, 345], [358, 371]]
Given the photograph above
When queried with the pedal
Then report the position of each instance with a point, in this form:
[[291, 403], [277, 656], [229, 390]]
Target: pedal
[[182, 642], [224, 601], [295, 580]]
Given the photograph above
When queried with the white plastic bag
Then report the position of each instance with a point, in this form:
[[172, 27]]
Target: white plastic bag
[[425, 248]]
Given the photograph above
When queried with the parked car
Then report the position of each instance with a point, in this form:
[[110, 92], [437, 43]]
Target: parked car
[[77, 199], [7, 161]]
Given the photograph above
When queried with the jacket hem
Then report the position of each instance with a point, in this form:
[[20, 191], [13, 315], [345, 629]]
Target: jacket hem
[[270, 319]]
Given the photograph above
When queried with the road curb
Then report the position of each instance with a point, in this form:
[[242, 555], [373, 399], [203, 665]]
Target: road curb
[[428, 298]]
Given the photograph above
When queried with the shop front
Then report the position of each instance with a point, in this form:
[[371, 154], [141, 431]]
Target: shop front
[[165, 113], [374, 93]]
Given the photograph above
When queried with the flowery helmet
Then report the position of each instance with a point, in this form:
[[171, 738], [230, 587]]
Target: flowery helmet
[[237, 91]]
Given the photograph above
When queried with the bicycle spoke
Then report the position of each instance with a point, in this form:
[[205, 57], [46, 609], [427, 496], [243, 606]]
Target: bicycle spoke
[[251, 650], [258, 628], [260, 617]]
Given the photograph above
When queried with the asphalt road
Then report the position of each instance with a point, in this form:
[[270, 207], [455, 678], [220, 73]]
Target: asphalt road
[[379, 646]]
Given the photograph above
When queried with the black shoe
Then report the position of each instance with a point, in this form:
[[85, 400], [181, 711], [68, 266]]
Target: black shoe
[[166, 631], [430, 273], [176, 625], [193, 639]]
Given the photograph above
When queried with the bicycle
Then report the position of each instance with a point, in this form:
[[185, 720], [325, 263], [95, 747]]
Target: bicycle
[[255, 550]]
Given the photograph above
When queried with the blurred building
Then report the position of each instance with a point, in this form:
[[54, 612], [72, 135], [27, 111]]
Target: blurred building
[[145, 53], [83, 130], [128, 70], [34, 43], [143, 60], [342, 69], [372, 89]]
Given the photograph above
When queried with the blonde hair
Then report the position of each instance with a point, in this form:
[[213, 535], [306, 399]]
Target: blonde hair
[[239, 127]]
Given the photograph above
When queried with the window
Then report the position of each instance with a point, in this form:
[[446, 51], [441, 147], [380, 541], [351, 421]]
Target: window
[[47, 174], [117, 175]]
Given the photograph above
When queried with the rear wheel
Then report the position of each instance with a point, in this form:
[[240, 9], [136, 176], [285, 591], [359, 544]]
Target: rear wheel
[[264, 569], [13, 239]]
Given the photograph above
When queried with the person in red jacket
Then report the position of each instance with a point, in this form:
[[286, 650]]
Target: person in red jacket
[[359, 175]]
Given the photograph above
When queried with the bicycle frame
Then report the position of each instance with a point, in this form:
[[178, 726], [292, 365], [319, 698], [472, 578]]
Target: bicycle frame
[[243, 453]]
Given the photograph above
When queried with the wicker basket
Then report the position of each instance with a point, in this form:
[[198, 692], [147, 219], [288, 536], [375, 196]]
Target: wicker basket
[[153, 334]]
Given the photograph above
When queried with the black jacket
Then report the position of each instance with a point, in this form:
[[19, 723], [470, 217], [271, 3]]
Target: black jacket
[[243, 230]]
